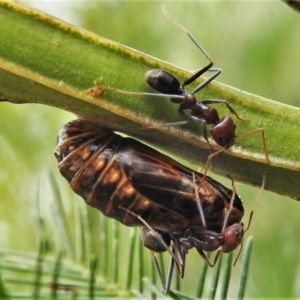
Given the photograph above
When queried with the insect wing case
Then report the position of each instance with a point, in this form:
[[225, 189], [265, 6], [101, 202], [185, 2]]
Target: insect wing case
[[107, 171], [170, 184], [90, 158]]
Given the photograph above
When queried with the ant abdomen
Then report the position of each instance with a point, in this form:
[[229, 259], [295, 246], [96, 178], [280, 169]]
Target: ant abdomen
[[156, 241], [163, 81]]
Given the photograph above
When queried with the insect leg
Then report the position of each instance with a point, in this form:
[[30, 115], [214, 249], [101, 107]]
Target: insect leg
[[210, 157], [180, 256], [217, 101], [206, 259], [230, 205], [179, 253], [205, 134], [166, 288], [170, 275], [154, 232], [182, 114], [198, 201], [263, 140], [204, 83], [101, 87]]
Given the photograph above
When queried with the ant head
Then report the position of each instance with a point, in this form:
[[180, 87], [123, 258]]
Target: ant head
[[157, 241], [233, 236], [224, 132]]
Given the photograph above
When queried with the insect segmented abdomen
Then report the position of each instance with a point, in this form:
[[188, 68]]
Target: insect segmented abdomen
[[93, 160], [85, 153]]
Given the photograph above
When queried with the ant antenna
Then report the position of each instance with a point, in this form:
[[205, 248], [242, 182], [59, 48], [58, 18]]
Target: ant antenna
[[251, 215], [240, 251], [203, 70], [186, 31], [256, 201]]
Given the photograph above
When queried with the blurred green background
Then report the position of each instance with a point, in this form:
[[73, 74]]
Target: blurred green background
[[256, 43]]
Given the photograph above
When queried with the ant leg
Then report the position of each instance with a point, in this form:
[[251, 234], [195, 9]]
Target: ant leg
[[158, 236], [201, 71], [183, 115], [166, 288], [198, 201], [176, 249], [232, 184], [230, 204], [205, 82], [204, 130], [216, 101], [178, 123], [205, 258], [173, 124], [205, 134], [169, 275], [210, 157], [263, 140], [101, 88]]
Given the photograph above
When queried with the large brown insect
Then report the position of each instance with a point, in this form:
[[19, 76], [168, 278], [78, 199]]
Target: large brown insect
[[138, 186]]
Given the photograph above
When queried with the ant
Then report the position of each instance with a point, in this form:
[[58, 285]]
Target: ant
[[222, 129]]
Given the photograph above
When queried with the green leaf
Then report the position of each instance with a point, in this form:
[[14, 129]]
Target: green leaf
[[245, 268], [48, 61]]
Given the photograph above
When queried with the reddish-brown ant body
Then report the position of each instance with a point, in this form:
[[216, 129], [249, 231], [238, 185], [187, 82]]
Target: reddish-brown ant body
[[222, 129]]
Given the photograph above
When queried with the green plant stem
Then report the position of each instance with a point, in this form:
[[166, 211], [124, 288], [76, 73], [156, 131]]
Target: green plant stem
[[226, 276], [50, 62]]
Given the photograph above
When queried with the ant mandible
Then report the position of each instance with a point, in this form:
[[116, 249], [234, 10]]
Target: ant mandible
[[222, 130]]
